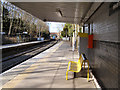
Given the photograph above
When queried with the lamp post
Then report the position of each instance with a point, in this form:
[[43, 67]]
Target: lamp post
[[73, 40], [66, 30]]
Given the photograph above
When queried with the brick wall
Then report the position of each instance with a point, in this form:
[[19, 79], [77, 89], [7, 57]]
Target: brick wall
[[104, 56], [0, 34], [105, 27], [119, 49], [104, 61]]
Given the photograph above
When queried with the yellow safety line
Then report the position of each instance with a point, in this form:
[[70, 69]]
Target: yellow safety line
[[15, 81]]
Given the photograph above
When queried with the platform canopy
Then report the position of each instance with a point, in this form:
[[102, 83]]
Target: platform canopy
[[70, 12]]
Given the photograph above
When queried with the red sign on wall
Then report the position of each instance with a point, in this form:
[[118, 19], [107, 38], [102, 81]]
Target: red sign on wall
[[90, 41]]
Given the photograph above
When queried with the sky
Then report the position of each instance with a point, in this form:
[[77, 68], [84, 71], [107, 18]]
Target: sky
[[55, 26]]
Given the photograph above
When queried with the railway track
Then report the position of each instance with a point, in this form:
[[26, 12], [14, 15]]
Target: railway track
[[15, 59]]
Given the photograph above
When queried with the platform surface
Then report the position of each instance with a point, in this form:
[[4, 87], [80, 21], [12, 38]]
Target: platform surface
[[19, 44], [46, 70]]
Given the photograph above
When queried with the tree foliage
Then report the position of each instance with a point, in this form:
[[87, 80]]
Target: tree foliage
[[67, 30], [45, 35], [20, 25]]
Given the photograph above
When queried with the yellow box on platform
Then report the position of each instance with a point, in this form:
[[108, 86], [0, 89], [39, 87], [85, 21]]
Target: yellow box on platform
[[82, 34]]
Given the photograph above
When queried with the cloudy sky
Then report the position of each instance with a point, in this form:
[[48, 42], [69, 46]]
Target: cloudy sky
[[55, 26]]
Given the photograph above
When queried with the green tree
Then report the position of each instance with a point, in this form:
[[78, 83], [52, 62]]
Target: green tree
[[67, 30], [45, 34], [6, 20]]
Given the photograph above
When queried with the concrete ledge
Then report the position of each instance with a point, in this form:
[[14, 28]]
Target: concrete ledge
[[95, 81]]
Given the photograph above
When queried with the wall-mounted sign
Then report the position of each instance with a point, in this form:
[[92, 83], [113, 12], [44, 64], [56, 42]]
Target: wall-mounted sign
[[114, 7]]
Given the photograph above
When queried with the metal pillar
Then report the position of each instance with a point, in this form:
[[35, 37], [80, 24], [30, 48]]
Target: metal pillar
[[73, 40], [83, 29], [39, 35]]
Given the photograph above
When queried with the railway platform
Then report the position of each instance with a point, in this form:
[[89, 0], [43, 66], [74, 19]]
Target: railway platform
[[20, 44], [46, 70]]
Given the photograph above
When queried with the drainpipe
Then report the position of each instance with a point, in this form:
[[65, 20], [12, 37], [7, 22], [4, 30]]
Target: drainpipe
[[39, 35]]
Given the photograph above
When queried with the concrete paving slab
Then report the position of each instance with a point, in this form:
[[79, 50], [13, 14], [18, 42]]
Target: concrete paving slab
[[46, 70]]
